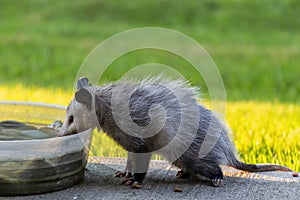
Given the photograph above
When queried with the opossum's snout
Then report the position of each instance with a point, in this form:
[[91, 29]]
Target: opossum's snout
[[61, 133], [68, 127]]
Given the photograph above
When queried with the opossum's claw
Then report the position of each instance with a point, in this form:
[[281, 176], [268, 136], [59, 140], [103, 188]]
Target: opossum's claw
[[120, 174], [125, 174], [136, 185], [128, 181], [216, 182], [134, 181], [183, 175]]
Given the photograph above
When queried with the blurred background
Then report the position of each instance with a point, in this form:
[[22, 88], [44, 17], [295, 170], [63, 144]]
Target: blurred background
[[254, 43]]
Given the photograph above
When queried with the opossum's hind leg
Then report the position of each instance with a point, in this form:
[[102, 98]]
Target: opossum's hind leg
[[183, 175], [216, 175], [217, 180], [209, 170]]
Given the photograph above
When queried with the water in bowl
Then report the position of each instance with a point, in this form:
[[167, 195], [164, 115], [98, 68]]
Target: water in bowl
[[14, 130]]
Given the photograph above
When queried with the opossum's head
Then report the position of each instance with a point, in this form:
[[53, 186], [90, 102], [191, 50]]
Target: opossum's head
[[80, 114]]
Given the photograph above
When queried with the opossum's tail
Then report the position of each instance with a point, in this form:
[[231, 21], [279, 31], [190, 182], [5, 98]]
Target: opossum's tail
[[259, 167]]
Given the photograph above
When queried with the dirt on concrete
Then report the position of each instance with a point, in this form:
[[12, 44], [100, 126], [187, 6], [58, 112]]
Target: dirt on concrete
[[161, 181]]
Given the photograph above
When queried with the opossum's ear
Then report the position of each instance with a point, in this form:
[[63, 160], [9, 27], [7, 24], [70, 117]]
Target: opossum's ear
[[82, 82], [83, 96]]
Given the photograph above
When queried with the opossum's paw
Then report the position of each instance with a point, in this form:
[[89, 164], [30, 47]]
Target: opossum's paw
[[135, 181], [125, 174], [216, 176], [217, 182], [119, 174], [183, 175], [136, 185], [128, 181], [131, 182]]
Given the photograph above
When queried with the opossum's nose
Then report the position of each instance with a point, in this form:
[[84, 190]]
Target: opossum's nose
[[60, 133], [64, 131]]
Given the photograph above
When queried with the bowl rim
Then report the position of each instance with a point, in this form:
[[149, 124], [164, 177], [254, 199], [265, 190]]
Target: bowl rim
[[31, 103], [66, 137], [46, 105]]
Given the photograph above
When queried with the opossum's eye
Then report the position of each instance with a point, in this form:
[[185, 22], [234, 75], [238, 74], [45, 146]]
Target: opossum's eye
[[71, 119]]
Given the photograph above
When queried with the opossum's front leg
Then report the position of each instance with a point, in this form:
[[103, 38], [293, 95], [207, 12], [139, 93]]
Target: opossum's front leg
[[128, 170], [139, 163], [127, 173]]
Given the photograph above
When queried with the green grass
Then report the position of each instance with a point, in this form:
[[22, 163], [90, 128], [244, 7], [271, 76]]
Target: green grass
[[255, 44]]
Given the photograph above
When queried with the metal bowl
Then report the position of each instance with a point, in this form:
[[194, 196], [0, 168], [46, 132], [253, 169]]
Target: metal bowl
[[40, 165]]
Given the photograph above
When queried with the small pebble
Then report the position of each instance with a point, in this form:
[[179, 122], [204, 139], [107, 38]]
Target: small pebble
[[178, 189], [295, 174]]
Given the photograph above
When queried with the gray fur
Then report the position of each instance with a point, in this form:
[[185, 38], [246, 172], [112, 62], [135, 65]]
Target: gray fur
[[144, 117], [82, 82]]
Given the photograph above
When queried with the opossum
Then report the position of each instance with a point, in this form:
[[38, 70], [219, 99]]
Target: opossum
[[162, 116]]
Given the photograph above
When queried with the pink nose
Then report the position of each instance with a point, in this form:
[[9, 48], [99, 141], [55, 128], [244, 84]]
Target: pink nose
[[60, 134]]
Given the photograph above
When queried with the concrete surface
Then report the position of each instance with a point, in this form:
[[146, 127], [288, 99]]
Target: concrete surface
[[160, 182]]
